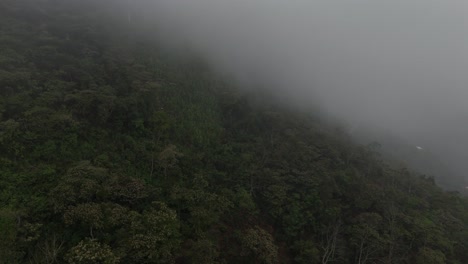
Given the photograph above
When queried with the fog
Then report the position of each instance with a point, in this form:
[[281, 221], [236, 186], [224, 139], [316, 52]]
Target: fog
[[399, 65]]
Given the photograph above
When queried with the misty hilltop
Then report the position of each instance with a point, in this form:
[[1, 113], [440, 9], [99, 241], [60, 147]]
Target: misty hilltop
[[221, 132]]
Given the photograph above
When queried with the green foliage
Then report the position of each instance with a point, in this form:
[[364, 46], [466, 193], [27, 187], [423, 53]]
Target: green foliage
[[200, 251], [91, 252], [430, 256], [155, 236], [259, 245], [8, 233], [112, 151]]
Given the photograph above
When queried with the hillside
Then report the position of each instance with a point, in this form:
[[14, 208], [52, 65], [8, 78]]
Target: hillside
[[114, 150]]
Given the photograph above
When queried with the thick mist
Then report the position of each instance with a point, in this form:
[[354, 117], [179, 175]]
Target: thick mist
[[400, 66]]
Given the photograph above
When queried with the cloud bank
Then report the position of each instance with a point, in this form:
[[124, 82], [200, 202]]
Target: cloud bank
[[401, 65]]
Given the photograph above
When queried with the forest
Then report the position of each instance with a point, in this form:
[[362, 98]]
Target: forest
[[113, 150]]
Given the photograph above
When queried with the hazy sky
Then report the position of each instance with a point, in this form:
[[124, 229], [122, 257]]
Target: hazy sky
[[397, 64]]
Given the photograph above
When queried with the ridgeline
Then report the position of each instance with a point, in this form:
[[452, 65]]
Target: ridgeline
[[114, 151]]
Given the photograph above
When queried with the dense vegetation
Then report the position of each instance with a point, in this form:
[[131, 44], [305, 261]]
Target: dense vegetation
[[112, 151]]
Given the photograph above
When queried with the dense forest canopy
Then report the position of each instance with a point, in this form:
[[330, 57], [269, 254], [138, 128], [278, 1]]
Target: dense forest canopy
[[115, 150]]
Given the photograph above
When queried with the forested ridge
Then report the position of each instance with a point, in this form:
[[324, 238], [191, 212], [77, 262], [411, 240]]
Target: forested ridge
[[114, 150]]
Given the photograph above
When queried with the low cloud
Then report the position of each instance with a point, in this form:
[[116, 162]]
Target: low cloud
[[398, 65]]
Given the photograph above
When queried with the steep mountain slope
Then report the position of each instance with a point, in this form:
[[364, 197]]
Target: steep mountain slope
[[114, 151]]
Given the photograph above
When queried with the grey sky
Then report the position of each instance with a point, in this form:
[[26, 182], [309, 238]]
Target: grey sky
[[397, 64]]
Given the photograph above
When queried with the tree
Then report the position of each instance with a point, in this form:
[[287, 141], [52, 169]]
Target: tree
[[430, 256], [365, 237], [90, 251], [155, 236], [330, 241], [259, 245]]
